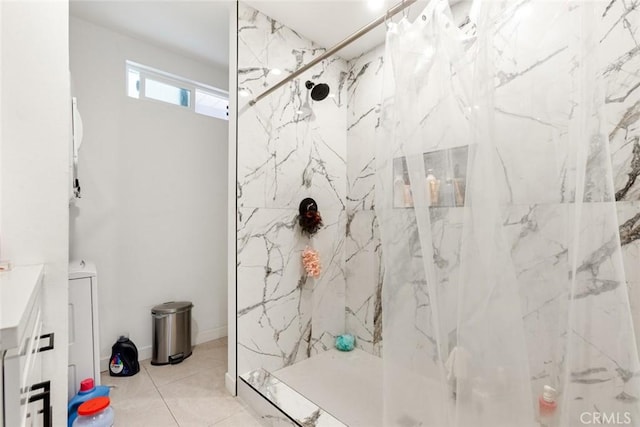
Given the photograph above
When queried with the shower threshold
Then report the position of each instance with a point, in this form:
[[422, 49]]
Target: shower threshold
[[333, 388]]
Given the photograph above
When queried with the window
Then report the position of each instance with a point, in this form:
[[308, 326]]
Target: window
[[166, 92], [211, 105], [148, 83]]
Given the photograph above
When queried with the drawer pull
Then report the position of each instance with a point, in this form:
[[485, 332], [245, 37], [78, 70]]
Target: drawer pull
[[45, 396], [50, 345]]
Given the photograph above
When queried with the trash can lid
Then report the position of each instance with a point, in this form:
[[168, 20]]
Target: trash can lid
[[171, 307]]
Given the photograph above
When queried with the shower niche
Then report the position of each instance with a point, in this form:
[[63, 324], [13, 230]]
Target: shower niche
[[444, 181]]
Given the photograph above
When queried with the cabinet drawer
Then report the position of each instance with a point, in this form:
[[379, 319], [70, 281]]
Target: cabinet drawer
[[39, 406], [20, 369]]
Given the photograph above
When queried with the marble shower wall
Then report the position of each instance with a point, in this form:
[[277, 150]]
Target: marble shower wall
[[283, 157], [363, 266], [621, 64], [363, 251], [539, 211]]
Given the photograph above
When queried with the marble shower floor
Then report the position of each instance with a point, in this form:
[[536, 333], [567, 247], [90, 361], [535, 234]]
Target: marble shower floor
[[191, 393], [348, 385]]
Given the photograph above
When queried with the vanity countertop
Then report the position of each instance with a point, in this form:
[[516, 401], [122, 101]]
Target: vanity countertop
[[18, 292]]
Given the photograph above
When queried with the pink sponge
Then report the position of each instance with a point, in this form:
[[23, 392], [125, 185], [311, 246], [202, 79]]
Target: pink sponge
[[311, 262]]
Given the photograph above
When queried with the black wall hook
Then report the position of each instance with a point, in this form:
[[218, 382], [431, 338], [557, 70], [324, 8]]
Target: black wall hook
[[308, 216]]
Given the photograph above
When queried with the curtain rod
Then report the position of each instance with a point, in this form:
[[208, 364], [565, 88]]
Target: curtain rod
[[353, 37]]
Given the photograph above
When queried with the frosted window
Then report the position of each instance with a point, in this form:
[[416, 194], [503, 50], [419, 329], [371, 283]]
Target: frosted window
[[133, 83], [167, 93], [150, 83], [211, 105]]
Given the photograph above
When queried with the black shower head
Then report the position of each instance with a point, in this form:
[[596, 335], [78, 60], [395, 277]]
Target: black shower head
[[318, 91]]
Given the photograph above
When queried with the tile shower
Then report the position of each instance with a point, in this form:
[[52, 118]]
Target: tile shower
[[284, 317]]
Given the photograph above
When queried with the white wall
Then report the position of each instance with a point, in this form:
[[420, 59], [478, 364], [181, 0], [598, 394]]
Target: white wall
[[35, 132], [154, 191]]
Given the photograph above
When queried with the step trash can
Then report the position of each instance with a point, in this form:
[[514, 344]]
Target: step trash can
[[171, 332]]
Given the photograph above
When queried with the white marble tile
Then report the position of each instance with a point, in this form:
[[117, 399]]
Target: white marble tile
[[629, 223], [290, 401], [364, 282], [364, 89], [364, 275], [328, 291], [620, 62], [283, 157], [332, 378], [283, 314], [259, 404], [533, 70]]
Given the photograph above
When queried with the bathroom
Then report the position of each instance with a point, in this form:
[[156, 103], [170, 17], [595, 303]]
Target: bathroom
[[465, 228]]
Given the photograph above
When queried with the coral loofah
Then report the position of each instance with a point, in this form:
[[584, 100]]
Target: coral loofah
[[311, 262]]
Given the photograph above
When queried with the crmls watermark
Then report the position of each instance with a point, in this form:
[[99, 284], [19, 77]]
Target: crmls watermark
[[606, 418]]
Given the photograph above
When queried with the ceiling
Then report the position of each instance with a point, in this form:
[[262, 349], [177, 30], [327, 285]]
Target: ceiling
[[200, 29], [328, 22]]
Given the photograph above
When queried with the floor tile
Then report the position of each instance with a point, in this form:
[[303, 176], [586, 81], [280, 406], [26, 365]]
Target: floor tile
[[199, 400], [124, 387], [216, 349], [239, 419], [136, 402], [143, 412], [191, 393], [220, 342], [201, 360]]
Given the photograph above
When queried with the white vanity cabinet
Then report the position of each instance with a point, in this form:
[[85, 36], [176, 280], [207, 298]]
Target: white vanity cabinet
[[25, 396]]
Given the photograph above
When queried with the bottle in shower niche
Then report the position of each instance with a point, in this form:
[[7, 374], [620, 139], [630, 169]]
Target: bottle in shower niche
[[547, 407], [408, 196], [447, 193], [433, 188], [398, 192]]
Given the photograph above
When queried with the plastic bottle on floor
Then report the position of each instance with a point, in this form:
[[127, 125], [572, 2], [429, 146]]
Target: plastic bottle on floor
[[95, 413], [87, 391]]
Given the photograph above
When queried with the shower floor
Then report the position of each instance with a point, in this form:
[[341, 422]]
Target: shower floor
[[348, 385]]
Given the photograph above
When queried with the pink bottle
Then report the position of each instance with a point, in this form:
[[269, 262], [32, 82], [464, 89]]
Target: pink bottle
[[548, 405]]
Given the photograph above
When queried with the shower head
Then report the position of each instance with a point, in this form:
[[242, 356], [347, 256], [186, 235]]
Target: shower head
[[318, 91]]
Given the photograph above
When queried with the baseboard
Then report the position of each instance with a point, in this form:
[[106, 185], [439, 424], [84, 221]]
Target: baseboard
[[230, 384], [202, 337], [210, 335]]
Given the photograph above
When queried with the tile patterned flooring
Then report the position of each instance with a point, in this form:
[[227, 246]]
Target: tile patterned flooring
[[191, 393]]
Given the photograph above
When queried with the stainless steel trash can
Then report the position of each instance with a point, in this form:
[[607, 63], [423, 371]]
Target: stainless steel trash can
[[171, 332]]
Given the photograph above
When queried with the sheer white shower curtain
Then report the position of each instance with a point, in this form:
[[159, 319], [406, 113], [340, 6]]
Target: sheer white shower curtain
[[497, 215]]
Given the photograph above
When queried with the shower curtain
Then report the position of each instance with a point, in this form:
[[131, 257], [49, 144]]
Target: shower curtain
[[495, 201]]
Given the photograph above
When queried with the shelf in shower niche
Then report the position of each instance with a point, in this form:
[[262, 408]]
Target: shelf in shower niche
[[298, 409], [445, 178]]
